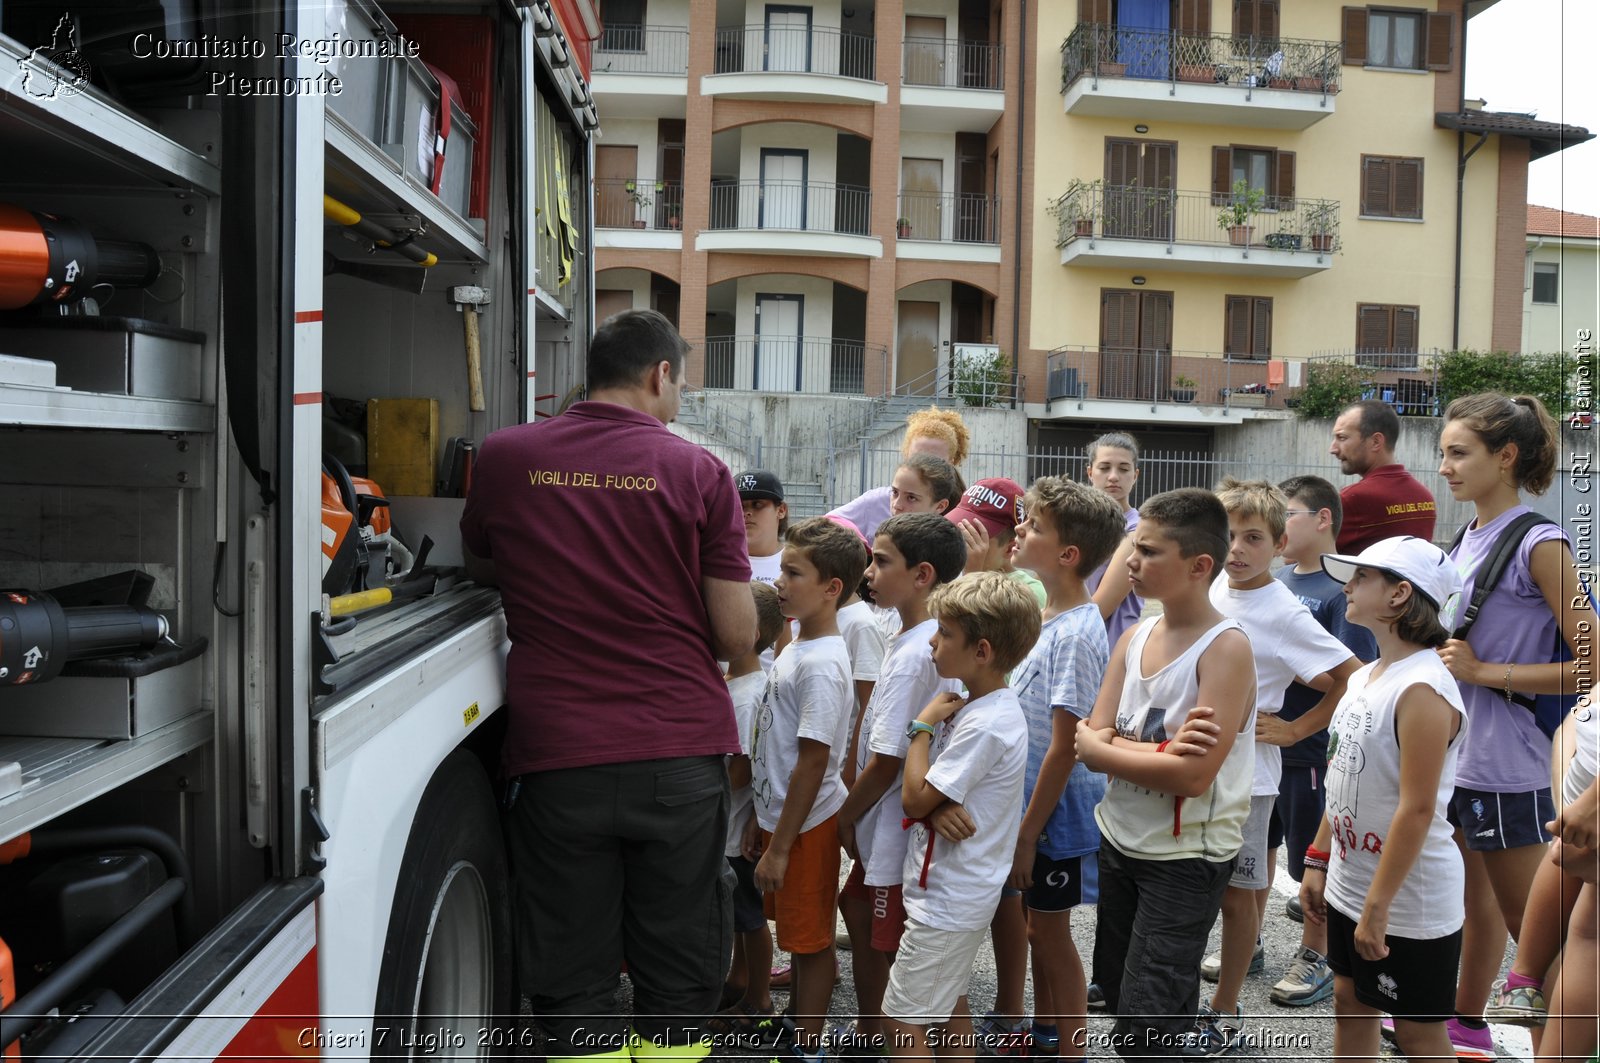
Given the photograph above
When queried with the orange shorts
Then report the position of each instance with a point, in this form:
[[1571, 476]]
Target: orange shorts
[[804, 907]]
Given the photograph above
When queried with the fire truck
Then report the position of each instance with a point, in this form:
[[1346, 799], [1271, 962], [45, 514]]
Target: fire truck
[[268, 272]]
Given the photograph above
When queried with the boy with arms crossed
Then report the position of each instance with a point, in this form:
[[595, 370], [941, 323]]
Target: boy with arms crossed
[[801, 730], [912, 555], [1177, 697], [974, 753]]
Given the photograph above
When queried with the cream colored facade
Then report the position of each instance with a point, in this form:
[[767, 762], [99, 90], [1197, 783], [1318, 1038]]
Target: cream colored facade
[[1554, 326], [1380, 261]]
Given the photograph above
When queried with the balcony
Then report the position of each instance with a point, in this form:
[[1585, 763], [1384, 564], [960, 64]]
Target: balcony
[[642, 71], [809, 64], [644, 215], [950, 85], [949, 226], [790, 218], [805, 364], [1406, 380], [1126, 226], [1217, 79], [1161, 378]]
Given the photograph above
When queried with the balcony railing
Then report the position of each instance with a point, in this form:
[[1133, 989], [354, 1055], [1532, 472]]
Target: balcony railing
[[634, 49], [811, 364], [943, 63], [795, 50], [1094, 50], [949, 217], [973, 378], [1130, 212], [1406, 380], [622, 203], [805, 206], [1151, 375]]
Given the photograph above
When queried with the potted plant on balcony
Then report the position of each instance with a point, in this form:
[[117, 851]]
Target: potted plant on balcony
[[902, 228], [1287, 238], [641, 202], [1234, 217], [1319, 218], [1183, 389], [1080, 205]]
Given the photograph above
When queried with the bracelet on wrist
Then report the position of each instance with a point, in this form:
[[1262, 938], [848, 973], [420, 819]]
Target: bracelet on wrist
[[1313, 853], [1506, 683], [1312, 864], [1162, 748]]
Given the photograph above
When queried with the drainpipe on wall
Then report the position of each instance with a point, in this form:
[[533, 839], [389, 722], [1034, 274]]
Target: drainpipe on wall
[[1461, 182], [1017, 210]]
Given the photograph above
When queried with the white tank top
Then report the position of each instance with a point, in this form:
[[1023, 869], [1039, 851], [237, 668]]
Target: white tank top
[[1585, 760], [1157, 826], [1363, 791]]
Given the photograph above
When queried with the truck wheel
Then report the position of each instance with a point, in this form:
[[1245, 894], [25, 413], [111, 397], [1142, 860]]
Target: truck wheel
[[445, 985]]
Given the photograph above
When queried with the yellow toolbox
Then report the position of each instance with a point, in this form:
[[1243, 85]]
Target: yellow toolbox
[[403, 445]]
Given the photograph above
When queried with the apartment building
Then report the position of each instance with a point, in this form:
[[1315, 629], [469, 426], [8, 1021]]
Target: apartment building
[[820, 194], [1233, 187], [1561, 291]]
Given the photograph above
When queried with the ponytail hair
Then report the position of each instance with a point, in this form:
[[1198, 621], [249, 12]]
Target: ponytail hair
[[1499, 420]]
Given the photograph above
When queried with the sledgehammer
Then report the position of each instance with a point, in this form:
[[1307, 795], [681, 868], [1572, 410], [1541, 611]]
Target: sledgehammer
[[467, 298]]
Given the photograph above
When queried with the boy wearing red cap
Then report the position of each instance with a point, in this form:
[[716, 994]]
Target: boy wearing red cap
[[988, 516]]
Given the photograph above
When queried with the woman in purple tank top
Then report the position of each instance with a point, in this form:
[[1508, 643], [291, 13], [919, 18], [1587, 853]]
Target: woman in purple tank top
[[1492, 449]]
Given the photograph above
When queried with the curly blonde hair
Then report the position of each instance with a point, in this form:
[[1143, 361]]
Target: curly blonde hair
[[943, 425]]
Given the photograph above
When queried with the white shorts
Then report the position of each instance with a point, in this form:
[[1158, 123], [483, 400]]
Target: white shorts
[[931, 972], [1250, 866]]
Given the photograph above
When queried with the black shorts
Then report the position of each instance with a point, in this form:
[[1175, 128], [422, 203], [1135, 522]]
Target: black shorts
[[1491, 821], [1415, 982], [747, 914], [1297, 815], [1057, 884]]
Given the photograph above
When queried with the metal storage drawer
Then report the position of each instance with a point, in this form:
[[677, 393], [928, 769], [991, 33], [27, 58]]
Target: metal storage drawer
[[366, 100], [419, 94]]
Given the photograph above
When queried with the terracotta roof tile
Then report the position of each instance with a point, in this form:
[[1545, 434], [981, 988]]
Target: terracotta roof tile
[[1548, 221]]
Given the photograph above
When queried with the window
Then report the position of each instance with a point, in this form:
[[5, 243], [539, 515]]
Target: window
[[624, 26], [1386, 336], [1267, 169], [1398, 38], [1546, 282], [1247, 331], [1391, 187]]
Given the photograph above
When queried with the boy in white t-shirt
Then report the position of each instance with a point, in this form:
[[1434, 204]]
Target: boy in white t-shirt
[[802, 728], [974, 753], [912, 554], [1288, 644], [747, 1012], [766, 520]]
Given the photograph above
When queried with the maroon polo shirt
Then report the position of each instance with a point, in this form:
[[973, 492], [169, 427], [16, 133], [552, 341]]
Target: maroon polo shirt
[[1386, 502], [601, 524]]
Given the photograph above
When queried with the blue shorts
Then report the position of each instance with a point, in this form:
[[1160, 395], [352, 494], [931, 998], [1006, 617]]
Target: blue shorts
[[1491, 821]]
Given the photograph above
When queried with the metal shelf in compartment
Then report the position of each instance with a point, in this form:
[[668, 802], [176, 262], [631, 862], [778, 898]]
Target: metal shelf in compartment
[[370, 181], [59, 774], [51, 131], [38, 407]]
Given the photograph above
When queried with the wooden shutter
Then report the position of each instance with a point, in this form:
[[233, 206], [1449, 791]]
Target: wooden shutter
[[1355, 36], [1236, 329], [1094, 11], [1155, 321], [1377, 199], [1267, 21], [1441, 40], [1372, 328], [1244, 17], [1285, 190], [1407, 187], [1119, 320], [1405, 329], [1194, 18], [1261, 329], [1221, 175]]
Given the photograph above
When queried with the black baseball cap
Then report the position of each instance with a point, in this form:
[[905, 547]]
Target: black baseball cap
[[759, 483]]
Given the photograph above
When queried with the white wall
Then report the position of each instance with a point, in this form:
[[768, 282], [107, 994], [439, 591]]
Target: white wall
[[641, 132], [665, 13], [1548, 327], [818, 292], [636, 281], [820, 142]]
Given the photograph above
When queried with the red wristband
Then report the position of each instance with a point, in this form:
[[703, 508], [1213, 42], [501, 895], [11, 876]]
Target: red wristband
[[1313, 853], [1163, 746]]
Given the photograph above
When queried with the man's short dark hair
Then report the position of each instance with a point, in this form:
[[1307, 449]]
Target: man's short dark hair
[[836, 551], [1194, 519], [1377, 417], [927, 537], [626, 345], [1315, 494]]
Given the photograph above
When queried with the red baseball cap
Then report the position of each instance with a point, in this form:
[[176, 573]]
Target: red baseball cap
[[994, 503]]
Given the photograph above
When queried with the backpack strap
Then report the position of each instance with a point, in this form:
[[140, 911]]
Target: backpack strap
[[1488, 575]]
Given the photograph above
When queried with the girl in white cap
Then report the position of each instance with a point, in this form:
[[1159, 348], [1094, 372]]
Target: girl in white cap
[[1384, 874]]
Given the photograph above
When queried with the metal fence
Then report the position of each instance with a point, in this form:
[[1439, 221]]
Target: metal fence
[[950, 217], [1200, 378], [1100, 51], [635, 49], [944, 63], [809, 206], [1132, 212], [814, 364], [623, 203], [795, 50]]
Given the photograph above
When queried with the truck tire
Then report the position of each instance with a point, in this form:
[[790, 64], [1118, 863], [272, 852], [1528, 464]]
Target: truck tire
[[445, 986]]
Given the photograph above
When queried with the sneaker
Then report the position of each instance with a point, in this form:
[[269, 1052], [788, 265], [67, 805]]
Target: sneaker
[[1211, 967], [1470, 1043], [1307, 981], [1292, 909], [992, 1030], [1214, 1035], [1097, 997], [1522, 1006]]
